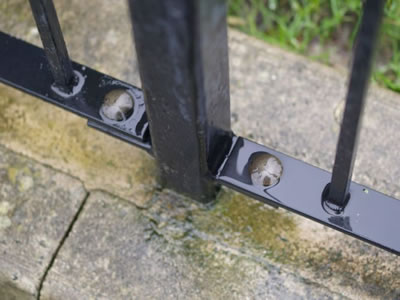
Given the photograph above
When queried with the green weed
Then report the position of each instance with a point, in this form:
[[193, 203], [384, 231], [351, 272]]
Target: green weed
[[300, 25]]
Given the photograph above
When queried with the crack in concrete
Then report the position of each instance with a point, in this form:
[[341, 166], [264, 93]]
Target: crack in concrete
[[42, 163], [64, 238]]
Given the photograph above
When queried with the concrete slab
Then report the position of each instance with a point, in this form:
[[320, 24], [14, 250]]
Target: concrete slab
[[236, 249], [37, 205], [116, 252]]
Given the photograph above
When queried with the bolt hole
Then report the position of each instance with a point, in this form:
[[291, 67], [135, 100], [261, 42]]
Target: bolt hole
[[265, 169], [118, 105], [365, 190]]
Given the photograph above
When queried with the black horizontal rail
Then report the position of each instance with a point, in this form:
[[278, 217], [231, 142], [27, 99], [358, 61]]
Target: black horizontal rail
[[183, 60], [370, 216], [25, 67]]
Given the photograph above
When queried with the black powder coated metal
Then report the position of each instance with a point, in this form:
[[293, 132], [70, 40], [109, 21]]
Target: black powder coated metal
[[349, 131], [369, 215], [25, 67], [53, 42], [183, 61]]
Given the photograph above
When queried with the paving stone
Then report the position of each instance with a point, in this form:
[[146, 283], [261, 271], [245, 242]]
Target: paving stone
[[116, 252], [37, 205], [236, 249]]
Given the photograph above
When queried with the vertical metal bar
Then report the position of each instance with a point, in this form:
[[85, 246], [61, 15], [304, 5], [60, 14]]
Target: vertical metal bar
[[183, 60], [53, 42], [360, 73]]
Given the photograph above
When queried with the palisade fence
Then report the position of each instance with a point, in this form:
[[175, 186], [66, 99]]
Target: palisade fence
[[181, 115]]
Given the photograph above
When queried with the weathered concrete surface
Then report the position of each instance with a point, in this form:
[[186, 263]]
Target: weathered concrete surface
[[279, 99], [116, 252], [236, 249], [37, 205]]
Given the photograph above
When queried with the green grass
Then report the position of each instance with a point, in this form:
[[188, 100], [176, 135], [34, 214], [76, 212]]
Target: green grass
[[301, 25]]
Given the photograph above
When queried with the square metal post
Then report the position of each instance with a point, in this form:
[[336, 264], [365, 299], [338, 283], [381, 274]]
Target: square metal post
[[183, 60]]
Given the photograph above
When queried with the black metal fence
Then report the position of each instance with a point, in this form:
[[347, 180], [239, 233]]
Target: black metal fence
[[182, 114]]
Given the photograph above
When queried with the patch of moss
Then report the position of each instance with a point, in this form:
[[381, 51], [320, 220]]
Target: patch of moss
[[63, 140], [18, 10], [253, 219], [12, 175], [219, 269], [244, 222], [4, 104], [262, 231]]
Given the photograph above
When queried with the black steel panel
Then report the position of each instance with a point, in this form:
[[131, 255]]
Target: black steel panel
[[369, 215]]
